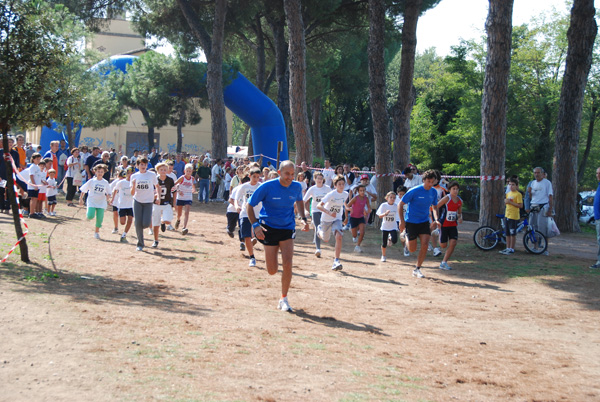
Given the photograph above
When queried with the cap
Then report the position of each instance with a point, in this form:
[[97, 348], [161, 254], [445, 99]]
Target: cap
[[364, 176]]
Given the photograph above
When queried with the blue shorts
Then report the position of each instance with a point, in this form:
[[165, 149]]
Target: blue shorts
[[245, 228], [181, 203], [32, 193]]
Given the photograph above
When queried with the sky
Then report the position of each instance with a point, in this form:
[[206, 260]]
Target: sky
[[451, 20]]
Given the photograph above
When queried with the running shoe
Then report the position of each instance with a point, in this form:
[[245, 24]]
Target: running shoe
[[284, 305], [436, 252], [383, 259], [390, 241], [115, 231], [254, 241], [417, 273], [444, 265], [177, 225], [506, 251], [150, 232], [337, 265], [170, 228], [252, 262], [595, 266], [184, 231], [139, 248], [97, 235], [318, 253], [429, 247], [155, 244], [511, 250], [123, 239], [544, 253], [230, 234], [357, 249], [406, 252], [242, 247], [163, 227], [435, 232], [354, 240]]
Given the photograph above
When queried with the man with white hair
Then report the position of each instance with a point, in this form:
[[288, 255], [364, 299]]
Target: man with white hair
[[105, 160]]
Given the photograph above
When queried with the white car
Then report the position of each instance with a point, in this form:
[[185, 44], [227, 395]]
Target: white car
[[587, 207]]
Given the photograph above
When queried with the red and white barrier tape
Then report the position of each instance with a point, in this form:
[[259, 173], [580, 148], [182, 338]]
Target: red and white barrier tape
[[20, 213]]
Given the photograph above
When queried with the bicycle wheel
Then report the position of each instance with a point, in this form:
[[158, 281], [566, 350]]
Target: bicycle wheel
[[535, 242], [486, 238]]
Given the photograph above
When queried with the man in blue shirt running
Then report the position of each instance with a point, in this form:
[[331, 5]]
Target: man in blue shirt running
[[420, 200], [276, 223], [597, 219]]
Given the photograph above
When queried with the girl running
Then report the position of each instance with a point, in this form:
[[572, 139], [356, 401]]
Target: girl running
[[389, 228], [125, 201], [316, 194], [332, 206], [449, 218], [185, 188], [98, 191], [358, 207]]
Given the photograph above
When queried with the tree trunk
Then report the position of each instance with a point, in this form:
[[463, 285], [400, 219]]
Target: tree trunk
[[180, 122], [70, 135], [315, 107], [245, 135], [590, 135], [12, 197], [297, 62], [250, 145], [494, 105], [150, 128], [282, 72], [260, 55], [406, 95], [377, 94], [581, 35]]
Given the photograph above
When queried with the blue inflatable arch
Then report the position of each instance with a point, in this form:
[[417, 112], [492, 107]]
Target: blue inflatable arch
[[245, 100]]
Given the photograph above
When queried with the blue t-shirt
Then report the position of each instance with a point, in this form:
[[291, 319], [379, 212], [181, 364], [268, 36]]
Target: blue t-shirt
[[179, 168], [419, 200], [278, 203], [597, 204]]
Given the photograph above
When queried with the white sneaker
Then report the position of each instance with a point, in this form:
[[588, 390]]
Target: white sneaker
[[444, 265], [354, 240], [337, 265], [318, 253], [436, 252], [115, 231], [429, 247], [139, 248], [252, 262], [357, 249], [171, 228], [506, 251], [390, 241], [184, 231], [150, 232], [544, 253], [435, 232], [406, 252], [155, 244], [383, 259], [123, 239], [284, 305], [97, 235], [417, 273]]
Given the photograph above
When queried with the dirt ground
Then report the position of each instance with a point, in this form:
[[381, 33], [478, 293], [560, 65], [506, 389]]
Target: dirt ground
[[95, 320]]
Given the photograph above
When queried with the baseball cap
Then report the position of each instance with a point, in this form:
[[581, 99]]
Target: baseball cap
[[364, 176]]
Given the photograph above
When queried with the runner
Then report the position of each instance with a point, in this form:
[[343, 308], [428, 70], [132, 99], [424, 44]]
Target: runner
[[416, 221], [276, 226], [332, 206], [162, 213], [125, 201], [146, 192], [185, 189], [387, 212], [243, 195], [316, 193]]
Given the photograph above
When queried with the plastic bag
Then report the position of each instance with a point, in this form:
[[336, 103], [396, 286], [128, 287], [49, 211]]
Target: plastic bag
[[552, 228]]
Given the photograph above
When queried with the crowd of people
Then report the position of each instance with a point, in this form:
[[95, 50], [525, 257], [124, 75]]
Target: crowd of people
[[153, 191]]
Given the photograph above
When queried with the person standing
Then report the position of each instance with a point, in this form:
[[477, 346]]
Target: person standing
[[74, 178], [203, 174], [52, 154], [416, 220], [328, 173], [62, 155], [90, 161], [541, 196], [215, 179], [597, 218], [275, 226]]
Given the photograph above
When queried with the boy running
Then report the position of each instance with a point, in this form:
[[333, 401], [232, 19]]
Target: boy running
[[125, 201], [162, 213], [316, 194], [332, 206], [146, 192], [451, 214], [243, 195], [185, 190], [389, 229]]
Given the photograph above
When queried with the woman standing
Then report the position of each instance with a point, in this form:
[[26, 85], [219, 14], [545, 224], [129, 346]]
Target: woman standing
[[73, 176]]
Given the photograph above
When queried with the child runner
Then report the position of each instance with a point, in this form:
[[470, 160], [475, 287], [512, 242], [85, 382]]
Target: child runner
[[332, 206], [146, 192], [244, 193], [233, 216], [449, 218], [171, 173], [162, 213], [514, 202], [185, 190], [316, 194], [115, 201], [51, 192], [228, 177], [400, 191], [389, 228], [359, 207], [42, 200], [416, 220], [441, 191], [125, 201], [276, 226], [98, 191], [35, 180]]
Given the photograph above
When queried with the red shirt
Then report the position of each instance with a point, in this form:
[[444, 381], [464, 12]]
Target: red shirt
[[451, 215]]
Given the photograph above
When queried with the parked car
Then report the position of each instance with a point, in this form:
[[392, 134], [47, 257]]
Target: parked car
[[586, 207]]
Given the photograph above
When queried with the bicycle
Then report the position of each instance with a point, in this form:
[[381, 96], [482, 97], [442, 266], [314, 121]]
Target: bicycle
[[487, 238]]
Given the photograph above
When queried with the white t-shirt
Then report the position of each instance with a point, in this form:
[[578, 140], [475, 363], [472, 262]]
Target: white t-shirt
[[125, 200], [113, 186], [388, 222], [415, 181], [244, 193], [334, 201], [317, 194], [173, 176], [540, 191], [34, 170], [227, 181], [43, 187], [404, 207], [144, 186], [51, 189], [97, 191], [328, 177], [76, 167], [230, 206], [304, 186], [214, 172]]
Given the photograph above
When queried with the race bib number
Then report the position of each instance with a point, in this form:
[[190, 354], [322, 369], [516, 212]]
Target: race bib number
[[318, 199], [390, 218], [335, 209], [98, 189], [142, 185], [451, 216]]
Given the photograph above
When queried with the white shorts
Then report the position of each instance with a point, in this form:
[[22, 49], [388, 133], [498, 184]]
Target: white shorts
[[326, 228], [166, 211]]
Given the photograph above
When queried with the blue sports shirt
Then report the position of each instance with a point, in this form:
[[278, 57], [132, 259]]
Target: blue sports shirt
[[419, 200], [597, 204], [278, 203]]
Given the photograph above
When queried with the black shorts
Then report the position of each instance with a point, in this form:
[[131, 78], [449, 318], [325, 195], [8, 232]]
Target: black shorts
[[273, 236], [354, 222], [448, 233], [32, 193], [511, 227], [413, 230], [123, 212], [52, 200], [115, 209]]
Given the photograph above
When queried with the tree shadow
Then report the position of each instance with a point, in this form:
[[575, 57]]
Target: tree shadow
[[332, 322], [377, 280], [469, 284], [96, 289]]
